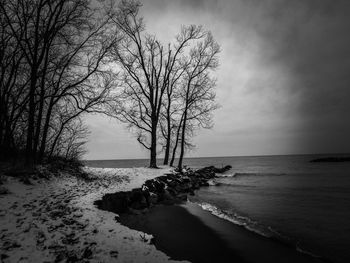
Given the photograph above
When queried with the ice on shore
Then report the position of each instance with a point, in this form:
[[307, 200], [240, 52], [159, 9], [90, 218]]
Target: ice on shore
[[55, 220]]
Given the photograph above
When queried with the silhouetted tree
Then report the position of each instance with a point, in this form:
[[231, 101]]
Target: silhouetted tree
[[197, 89], [62, 47], [12, 84], [149, 71]]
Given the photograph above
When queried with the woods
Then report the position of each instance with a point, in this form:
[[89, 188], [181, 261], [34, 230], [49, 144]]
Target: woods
[[52, 53], [62, 59]]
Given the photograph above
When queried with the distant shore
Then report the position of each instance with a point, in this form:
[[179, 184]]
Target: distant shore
[[331, 160]]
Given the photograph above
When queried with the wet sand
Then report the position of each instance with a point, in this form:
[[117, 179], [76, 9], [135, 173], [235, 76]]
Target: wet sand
[[187, 232]]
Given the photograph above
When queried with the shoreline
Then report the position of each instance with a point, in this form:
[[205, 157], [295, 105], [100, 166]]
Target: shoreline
[[181, 235], [187, 232], [57, 219], [160, 208]]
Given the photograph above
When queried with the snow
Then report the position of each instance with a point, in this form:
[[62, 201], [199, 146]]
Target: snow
[[56, 221]]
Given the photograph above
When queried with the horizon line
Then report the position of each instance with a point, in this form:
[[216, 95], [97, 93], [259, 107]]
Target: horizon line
[[227, 156]]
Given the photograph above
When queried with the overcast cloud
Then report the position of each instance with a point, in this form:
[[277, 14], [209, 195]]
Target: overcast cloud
[[283, 81]]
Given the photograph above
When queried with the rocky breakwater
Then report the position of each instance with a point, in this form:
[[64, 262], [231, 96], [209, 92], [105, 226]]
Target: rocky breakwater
[[166, 189]]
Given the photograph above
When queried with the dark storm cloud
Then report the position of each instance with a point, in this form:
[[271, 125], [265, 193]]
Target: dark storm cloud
[[284, 79], [311, 38], [311, 41]]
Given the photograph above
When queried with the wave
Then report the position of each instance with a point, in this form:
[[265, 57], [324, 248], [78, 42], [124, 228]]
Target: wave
[[248, 174], [256, 227], [306, 252], [240, 220]]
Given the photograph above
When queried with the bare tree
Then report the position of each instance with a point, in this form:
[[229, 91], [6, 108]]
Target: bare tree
[[150, 71], [71, 140], [198, 88], [12, 83], [63, 44]]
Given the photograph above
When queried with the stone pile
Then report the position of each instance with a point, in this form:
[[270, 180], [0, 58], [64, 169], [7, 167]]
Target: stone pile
[[166, 189]]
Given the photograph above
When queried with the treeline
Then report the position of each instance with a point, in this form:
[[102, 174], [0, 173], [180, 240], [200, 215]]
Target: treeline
[[52, 55], [63, 58]]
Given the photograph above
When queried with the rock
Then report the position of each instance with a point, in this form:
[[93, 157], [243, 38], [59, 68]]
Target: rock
[[182, 197], [168, 189], [172, 183], [186, 179], [204, 183], [150, 185], [162, 178], [196, 185], [172, 191], [210, 170], [153, 199], [159, 186]]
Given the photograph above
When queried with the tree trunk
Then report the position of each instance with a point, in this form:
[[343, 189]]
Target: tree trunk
[[182, 151], [56, 140], [41, 108], [30, 130], [176, 142], [153, 160], [1, 128], [167, 146], [38, 124], [46, 130], [167, 152], [174, 151]]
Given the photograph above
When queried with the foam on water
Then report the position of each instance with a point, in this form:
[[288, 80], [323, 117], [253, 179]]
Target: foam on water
[[256, 227], [228, 174], [246, 222]]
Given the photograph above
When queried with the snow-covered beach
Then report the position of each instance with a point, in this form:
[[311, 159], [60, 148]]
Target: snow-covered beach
[[69, 215], [55, 220]]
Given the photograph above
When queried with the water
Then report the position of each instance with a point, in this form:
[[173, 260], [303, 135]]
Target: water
[[284, 197], [123, 163]]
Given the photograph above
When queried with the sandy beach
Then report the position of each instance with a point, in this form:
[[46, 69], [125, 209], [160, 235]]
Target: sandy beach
[[55, 220]]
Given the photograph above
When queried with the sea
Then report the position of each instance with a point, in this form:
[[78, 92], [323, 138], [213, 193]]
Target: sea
[[288, 198]]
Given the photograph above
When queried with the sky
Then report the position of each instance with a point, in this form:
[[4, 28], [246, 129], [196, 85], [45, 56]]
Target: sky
[[283, 80]]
